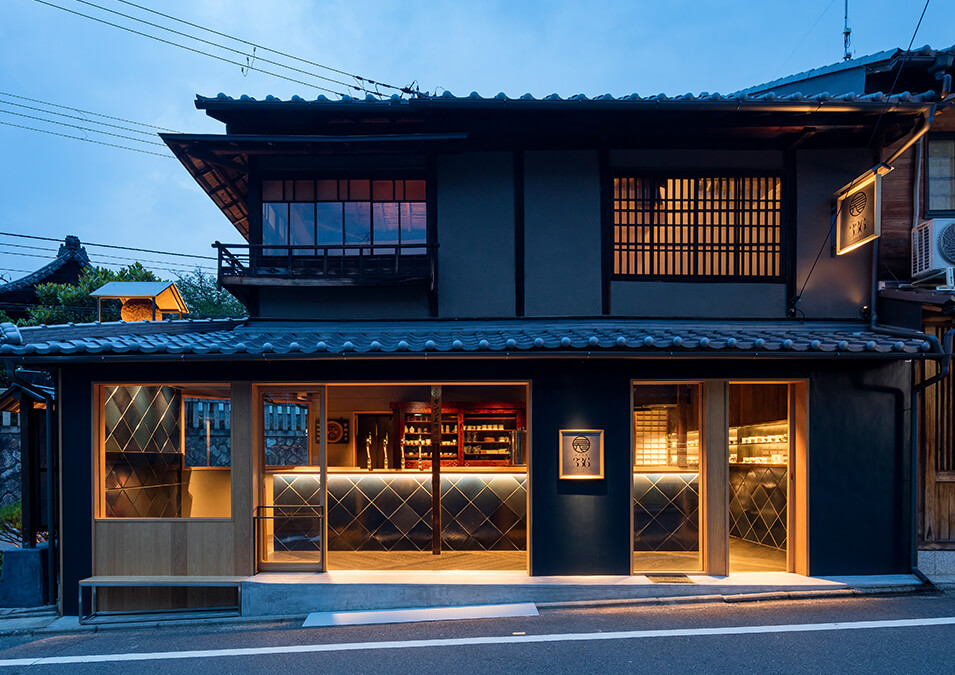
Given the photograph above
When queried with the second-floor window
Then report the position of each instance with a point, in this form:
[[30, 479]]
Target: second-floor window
[[343, 217], [941, 176], [697, 227]]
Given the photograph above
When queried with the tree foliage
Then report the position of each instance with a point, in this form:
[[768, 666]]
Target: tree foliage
[[62, 303], [11, 524], [205, 299]]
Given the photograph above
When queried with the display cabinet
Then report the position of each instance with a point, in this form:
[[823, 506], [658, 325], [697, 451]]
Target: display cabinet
[[760, 443], [488, 434]]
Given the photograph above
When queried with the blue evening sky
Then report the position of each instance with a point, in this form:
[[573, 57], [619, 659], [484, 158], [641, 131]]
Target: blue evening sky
[[53, 186]]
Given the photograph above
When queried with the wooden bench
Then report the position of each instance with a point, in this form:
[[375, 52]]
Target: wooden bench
[[94, 583]]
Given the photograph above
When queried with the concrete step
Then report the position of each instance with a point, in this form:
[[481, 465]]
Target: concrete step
[[299, 594]]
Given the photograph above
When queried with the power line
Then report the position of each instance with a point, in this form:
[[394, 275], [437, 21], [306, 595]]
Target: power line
[[81, 128], [86, 112], [81, 119], [88, 140], [808, 33], [124, 248], [898, 74], [406, 90], [187, 48], [219, 46], [98, 260]]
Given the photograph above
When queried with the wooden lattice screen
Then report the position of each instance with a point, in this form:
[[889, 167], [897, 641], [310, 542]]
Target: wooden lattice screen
[[697, 227]]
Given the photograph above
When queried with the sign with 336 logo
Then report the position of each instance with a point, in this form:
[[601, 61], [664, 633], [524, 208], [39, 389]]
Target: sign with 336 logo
[[581, 453], [857, 214]]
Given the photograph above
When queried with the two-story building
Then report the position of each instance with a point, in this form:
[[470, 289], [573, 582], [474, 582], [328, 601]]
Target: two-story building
[[555, 336]]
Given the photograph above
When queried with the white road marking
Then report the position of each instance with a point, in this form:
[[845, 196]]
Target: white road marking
[[415, 614], [474, 641]]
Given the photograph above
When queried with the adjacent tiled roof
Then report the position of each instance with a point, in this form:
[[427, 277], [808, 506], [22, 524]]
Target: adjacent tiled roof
[[70, 251], [705, 97], [857, 62], [244, 339]]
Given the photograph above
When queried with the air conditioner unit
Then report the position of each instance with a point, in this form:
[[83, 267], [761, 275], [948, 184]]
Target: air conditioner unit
[[933, 251]]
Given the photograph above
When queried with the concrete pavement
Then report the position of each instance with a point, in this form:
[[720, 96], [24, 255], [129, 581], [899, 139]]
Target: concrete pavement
[[390, 589]]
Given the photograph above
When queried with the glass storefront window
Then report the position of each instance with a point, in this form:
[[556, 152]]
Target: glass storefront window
[[286, 429], [759, 443], [165, 451], [666, 477]]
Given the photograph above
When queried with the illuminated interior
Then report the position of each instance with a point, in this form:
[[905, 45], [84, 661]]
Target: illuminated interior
[[727, 226], [666, 477], [379, 464], [759, 447]]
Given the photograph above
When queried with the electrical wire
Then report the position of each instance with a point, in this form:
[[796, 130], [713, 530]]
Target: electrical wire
[[795, 301], [117, 246], [190, 49], [86, 112], [81, 119], [88, 140], [897, 75], [250, 57], [798, 44], [98, 259], [377, 83], [81, 128]]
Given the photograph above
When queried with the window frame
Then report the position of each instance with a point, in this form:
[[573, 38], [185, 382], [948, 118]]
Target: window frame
[[347, 175], [929, 212], [99, 473], [655, 174]]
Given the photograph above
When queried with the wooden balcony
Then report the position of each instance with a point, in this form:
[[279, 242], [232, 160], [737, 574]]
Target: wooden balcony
[[413, 265]]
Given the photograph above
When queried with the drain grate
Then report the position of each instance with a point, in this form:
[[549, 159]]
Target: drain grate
[[669, 579]]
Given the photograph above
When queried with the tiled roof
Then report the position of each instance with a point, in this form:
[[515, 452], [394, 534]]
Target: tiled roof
[[705, 97], [69, 251], [857, 62], [243, 339]]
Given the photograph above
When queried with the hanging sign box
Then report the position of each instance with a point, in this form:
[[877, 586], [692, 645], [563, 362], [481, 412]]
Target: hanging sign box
[[858, 211], [581, 453]]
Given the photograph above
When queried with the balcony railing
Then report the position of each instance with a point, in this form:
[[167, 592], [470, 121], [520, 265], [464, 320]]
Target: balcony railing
[[338, 264]]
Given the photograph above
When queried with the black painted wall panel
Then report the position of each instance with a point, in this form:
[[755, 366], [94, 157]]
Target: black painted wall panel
[[859, 494], [580, 526], [76, 475]]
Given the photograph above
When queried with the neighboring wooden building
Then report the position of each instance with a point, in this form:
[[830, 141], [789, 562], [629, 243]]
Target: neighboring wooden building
[[16, 297]]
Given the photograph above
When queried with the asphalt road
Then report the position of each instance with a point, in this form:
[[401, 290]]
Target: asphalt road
[[808, 636]]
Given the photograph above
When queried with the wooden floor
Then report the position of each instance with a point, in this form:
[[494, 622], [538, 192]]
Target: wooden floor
[[425, 560], [744, 557]]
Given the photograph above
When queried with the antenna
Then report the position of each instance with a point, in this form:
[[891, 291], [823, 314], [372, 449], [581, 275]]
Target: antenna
[[846, 33]]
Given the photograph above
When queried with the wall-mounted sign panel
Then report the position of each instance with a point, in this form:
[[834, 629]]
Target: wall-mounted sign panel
[[859, 214], [581, 453]]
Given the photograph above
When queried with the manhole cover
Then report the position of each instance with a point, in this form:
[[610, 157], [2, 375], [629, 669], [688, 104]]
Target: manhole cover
[[670, 579]]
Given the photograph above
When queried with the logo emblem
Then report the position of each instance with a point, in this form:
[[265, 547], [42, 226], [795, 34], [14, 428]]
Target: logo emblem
[[857, 203], [581, 444]]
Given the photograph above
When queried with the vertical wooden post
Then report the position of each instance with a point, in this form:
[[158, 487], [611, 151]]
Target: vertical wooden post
[[29, 471], [244, 470], [436, 469], [715, 478], [798, 495], [323, 468]]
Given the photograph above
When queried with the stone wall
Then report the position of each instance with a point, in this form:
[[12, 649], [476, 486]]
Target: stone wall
[[9, 460]]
